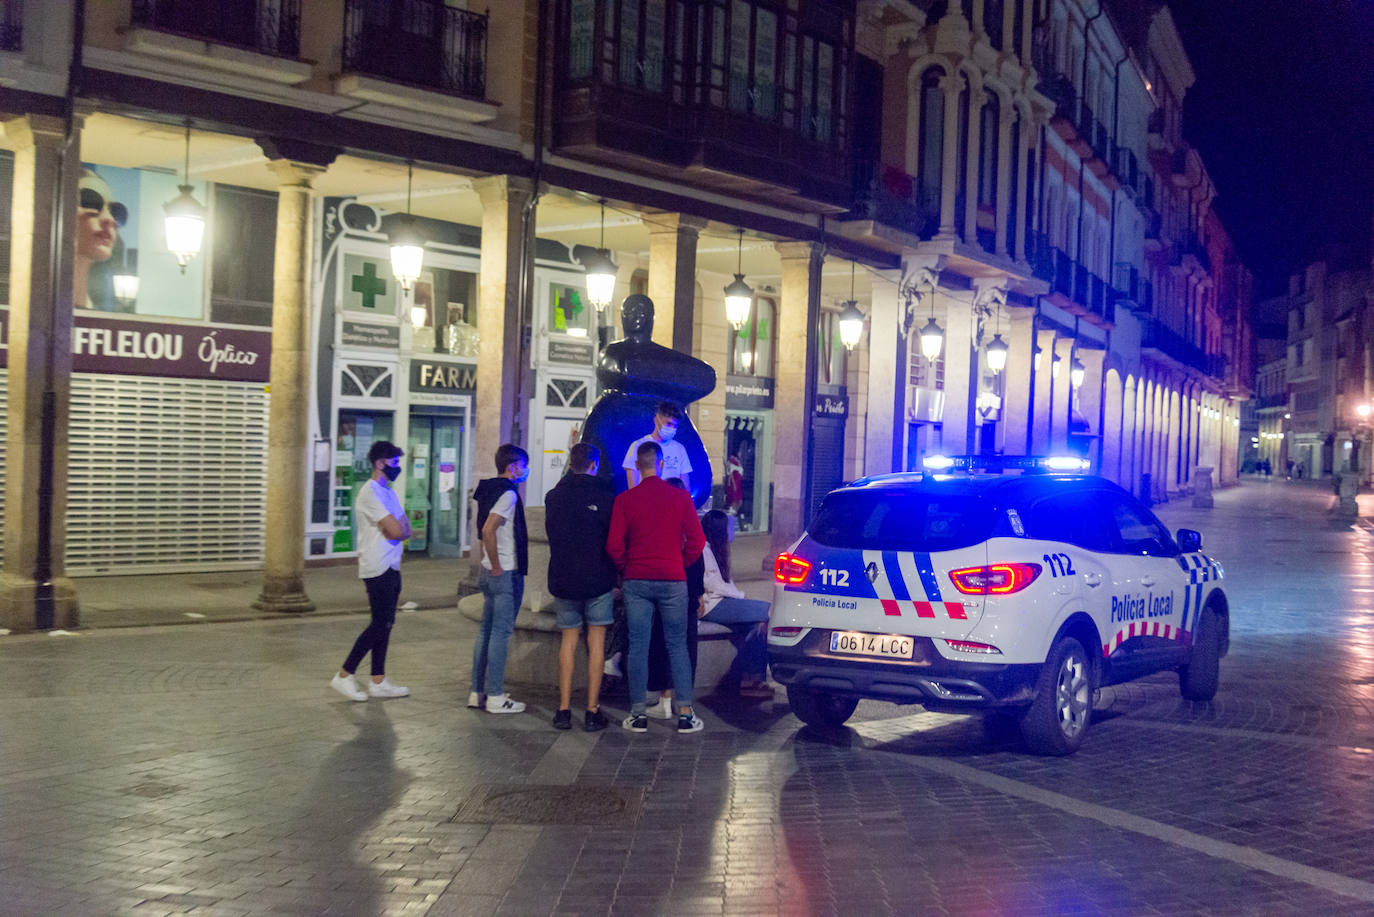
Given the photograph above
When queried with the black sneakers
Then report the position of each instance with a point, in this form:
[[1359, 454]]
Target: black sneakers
[[636, 722], [688, 722], [562, 719], [595, 722]]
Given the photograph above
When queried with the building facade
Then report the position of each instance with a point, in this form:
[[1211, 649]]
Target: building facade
[[1008, 172]]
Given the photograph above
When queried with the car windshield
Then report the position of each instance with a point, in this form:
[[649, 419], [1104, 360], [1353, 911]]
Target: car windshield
[[885, 520]]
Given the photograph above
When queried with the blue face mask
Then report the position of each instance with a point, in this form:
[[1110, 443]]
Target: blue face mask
[[392, 472], [522, 476], [666, 433]]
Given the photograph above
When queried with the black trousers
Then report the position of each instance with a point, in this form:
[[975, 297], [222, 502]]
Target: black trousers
[[382, 593]]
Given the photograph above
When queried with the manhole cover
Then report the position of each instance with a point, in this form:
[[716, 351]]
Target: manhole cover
[[604, 806]]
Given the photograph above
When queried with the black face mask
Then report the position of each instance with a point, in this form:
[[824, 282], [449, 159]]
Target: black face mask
[[392, 472]]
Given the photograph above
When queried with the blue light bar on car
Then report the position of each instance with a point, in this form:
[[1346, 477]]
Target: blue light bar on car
[[997, 464]]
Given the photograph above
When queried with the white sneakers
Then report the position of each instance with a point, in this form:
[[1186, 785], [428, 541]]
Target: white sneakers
[[612, 667], [385, 688], [349, 688], [476, 701], [502, 703]]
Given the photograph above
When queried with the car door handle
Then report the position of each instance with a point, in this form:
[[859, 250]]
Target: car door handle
[[1092, 579], [1147, 581]]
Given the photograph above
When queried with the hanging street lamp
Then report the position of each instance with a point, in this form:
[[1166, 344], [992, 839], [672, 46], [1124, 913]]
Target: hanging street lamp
[[739, 296], [851, 319], [407, 245], [1076, 371], [601, 270], [184, 216]]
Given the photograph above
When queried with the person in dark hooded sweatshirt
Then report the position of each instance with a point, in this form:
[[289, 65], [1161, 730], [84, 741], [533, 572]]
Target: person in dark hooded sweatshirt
[[505, 563], [577, 517]]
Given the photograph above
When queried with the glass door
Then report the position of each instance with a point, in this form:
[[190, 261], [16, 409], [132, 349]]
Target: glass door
[[358, 430], [434, 485]]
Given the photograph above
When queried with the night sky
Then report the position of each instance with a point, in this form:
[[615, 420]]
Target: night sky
[[1283, 114]]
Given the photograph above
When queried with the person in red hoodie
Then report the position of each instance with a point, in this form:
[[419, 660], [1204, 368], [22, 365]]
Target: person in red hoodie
[[654, 535]]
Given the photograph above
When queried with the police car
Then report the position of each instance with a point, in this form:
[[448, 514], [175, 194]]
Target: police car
[[1018, 592]]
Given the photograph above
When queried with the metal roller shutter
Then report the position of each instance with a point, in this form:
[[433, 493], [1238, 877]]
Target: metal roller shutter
[[166, 474], [4, 429]]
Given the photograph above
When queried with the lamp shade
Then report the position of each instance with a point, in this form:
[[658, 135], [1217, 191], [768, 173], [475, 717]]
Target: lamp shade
[[997, 353], [418, 316], [407, 253], [1076, 371], [932, 340], [851, 325], [601, 272], [184, 219], [739, 296]]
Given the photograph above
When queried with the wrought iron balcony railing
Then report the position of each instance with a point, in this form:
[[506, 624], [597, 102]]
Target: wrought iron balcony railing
[[892, 200], [1157, 336], [420, 42], [269, 26]]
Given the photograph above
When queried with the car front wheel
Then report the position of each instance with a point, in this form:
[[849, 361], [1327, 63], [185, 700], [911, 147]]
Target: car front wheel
[[1198, 679], [816, 708], [1056, 720]]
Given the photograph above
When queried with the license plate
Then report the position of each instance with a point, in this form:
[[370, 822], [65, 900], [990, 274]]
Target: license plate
[[860, 644]]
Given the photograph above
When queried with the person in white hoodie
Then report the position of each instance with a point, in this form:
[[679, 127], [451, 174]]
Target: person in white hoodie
[[724, 603]]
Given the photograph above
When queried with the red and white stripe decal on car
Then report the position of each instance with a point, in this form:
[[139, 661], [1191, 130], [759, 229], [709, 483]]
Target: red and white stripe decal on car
[[1167, 631], [892, 606]]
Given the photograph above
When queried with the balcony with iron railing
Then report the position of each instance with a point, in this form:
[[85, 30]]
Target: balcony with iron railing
[[11, 25], [1158, 339], [1081, 288], [421, 43], [272, 28], [891, 197]]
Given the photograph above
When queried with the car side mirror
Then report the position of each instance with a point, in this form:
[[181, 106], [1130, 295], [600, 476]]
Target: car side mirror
[[1189, 541]]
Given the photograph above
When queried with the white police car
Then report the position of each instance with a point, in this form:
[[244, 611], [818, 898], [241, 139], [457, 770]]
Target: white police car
[[1014, 593]]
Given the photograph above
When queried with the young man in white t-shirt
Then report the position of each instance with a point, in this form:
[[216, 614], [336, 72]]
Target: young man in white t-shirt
[[382, 531], [675, 461], [505, 564]]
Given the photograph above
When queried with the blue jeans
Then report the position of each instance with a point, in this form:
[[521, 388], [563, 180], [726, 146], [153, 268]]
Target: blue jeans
[[501, 598], [642, 597], [743, 617]]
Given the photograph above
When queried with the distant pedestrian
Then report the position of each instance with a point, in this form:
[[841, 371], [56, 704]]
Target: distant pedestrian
[[654, 535], [505, 564], [1290, 469], [577, 518], [660, 666], [382, 531], [675, 461]]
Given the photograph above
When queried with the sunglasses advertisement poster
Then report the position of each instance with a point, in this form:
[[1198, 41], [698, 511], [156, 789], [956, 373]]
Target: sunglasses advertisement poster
[[122, 262]]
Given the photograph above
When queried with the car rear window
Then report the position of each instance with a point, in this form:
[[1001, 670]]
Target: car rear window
[[893, 521]]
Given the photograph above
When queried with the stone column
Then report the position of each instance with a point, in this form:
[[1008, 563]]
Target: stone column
[[673, 276], [1090, 401], [974, 112], [961, 376], [711, 343], [40, 376], [1017, 381], [795, 388], [857, 424], [498, 318], [1023, 199], [1059, 399], [953, 85], [1041, 421], [1007, 115], [288, 423], [1129, 470], [887, 377]]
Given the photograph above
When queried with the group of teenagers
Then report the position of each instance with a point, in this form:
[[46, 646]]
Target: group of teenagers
[[670, 566]]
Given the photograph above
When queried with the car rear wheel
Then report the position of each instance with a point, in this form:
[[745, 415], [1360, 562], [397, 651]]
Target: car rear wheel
[[1198, 679], [1056, 720], [816, 708]]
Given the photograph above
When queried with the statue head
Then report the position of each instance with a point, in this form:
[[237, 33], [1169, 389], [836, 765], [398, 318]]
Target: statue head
[[637, 314]]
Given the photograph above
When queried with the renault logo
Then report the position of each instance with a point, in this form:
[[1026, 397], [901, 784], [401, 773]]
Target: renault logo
[[871, 571]]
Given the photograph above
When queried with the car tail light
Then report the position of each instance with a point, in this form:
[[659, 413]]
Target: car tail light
[[788, 632], [994, 579], [791, 569]]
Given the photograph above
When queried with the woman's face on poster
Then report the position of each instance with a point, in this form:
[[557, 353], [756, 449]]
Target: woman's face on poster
[[97, 219]]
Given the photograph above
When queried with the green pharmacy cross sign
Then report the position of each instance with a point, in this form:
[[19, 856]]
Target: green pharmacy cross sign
[[369, 285]]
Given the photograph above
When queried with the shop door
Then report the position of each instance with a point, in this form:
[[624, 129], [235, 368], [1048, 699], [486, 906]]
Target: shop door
[[434, 495], [827, 459], [358, 430]]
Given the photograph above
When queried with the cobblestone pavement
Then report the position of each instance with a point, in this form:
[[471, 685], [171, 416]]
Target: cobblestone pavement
[[210, 770]]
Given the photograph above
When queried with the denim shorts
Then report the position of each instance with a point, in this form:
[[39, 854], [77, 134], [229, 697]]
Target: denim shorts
[[598, 612]]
